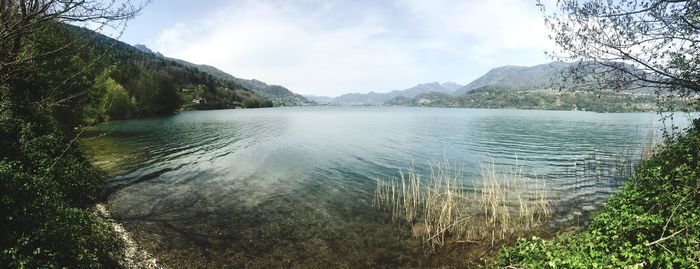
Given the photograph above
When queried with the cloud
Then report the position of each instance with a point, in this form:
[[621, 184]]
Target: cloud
[[493, 26], [332, 47]]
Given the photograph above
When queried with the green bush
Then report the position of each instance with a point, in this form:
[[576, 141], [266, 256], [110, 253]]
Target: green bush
[[654, 221], [46, 189], [110, 101], [118, 104]]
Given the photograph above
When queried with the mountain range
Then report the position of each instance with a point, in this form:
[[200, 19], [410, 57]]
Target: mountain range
[[504, 82], [373, 98], [538, 76], [510, 87], [524, 78]]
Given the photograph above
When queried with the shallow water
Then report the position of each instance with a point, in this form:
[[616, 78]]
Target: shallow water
[[292, 187]]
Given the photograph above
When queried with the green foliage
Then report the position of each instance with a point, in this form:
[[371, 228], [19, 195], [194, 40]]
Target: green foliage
[[251, 103], [653, 222], [155, 93], [46, 189], [266, 103], [117, 104], [110, 101]]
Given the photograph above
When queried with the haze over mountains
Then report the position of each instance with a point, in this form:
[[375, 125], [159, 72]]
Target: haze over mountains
[[539, 76], [373, 98]]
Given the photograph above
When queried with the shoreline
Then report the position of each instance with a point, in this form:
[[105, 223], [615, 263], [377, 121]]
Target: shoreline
[[134, 256]]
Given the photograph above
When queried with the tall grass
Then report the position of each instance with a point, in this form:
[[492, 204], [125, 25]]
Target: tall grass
[[510, 202], [439, 209]]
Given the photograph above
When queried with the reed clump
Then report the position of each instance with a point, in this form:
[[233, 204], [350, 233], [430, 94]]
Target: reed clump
[[440, 209]]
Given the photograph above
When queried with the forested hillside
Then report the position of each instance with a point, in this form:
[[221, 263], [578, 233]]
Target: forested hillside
[[133, 83], [280, 96], [113, 80]]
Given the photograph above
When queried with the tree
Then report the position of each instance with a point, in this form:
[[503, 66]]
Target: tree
[[109, 101], [37, 33], [117, 102], [628, 44], [156, 94]]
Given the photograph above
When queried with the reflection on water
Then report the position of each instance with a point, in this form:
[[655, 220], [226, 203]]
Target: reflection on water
[[293, 186]]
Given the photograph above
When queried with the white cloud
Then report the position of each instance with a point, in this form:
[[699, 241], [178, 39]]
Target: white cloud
[[329, 48], [494, 26]]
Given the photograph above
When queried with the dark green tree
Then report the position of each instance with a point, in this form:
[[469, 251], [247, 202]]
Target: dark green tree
[[156, 93]]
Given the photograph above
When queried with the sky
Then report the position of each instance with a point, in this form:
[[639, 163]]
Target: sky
[[329, 48]]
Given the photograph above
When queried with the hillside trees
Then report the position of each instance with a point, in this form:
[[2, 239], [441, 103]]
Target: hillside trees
[[25, 22], [46, 65], [155, 93]]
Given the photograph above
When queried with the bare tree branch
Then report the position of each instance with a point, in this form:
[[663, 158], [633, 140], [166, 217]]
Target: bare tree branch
[[651, 43]]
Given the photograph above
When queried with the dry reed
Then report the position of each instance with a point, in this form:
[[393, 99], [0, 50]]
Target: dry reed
[[440, 210]]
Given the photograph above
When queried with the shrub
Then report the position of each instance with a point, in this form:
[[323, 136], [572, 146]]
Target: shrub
[[46, 189]]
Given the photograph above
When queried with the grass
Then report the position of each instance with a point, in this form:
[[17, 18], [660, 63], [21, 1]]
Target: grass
[[441, 210]]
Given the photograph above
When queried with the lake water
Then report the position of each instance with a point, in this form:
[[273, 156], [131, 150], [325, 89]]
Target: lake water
[[293, 187]]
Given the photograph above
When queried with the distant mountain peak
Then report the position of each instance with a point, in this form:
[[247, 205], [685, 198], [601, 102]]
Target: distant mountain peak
[[429, 83], [451, 86], [510, 67], [517, 76], [145, 49]]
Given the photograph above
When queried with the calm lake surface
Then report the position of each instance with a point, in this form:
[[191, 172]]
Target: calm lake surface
[[293, 187]]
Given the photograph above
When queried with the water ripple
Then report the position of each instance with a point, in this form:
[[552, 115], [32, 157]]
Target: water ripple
[[251, 184]]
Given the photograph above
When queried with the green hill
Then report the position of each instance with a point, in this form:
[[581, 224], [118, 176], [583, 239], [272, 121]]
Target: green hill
[[279, 95], [128, 82]]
